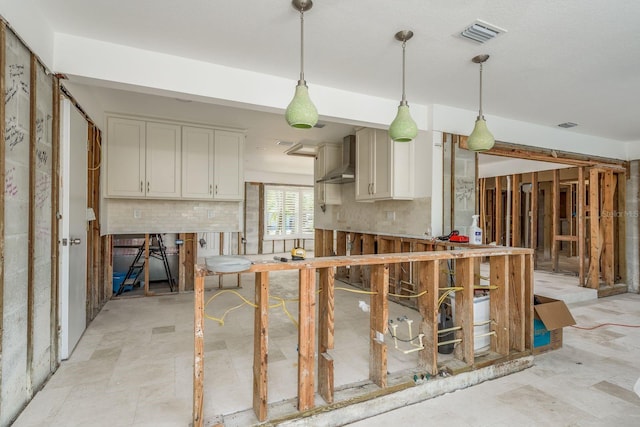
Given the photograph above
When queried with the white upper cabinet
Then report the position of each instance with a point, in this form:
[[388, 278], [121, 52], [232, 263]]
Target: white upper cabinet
[[197, 162], [384, 169], [329, 157], [228, 168], [154, 159], [163, 161], [125, 149]]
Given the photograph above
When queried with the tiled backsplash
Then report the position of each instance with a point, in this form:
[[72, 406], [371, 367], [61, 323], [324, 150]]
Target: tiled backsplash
[[123, 216]]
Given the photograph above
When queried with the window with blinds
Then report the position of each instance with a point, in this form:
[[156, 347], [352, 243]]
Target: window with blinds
[[288, 212]]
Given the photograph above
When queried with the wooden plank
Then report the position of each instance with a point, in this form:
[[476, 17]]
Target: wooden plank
[[519, 151], [190, 249], [318, 243], [516, 224], [341, 250], [428, 275], [181, 262], [517, 303], [499, 310], [555, 218], [355, 272], [499, 217], [620, 259], [534, 212], [326, 327], [327, 243], [55, 206], [306, 338], [260, 345], [198, 351], [593, 276], [581, 190], [565, 238], [31, 223], [368, 247], [379, 318], [464, 311], [528, 301], [607, 228]]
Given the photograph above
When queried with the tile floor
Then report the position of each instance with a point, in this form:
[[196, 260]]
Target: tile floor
[[133, 366]]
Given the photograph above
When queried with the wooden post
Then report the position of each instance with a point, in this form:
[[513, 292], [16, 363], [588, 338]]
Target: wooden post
[[260, 345], [327, 243], [499, 211], [528, 302], [607, 228], [318, 243], [306, 338], [499, 304], [593, 278], [555, 218], [464, 310], [181, 262], [356, 249], [534, 213], [378, 320], [516, 218], [620, 259], [428, 275], [326, 334], [368, 247], [581, 231], [517, 304], [341, 250], [198, 352]]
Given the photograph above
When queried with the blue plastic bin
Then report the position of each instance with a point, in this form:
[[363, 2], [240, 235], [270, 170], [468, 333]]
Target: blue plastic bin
[[118, 278]]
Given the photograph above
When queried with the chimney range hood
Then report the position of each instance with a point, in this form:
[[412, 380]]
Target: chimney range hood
[[346, 172]]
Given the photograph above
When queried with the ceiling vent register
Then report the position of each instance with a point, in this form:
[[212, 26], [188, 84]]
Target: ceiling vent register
[[481, 32]]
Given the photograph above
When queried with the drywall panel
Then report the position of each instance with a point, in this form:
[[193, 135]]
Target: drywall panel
[[15, 387]]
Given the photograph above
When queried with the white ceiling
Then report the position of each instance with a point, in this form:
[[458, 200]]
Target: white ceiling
[[559, 61]]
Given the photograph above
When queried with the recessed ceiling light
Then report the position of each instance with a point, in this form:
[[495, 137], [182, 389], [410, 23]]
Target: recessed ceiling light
[[481, 31], [567, 125]]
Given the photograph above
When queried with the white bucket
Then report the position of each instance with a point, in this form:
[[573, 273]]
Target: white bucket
[[480, 315]]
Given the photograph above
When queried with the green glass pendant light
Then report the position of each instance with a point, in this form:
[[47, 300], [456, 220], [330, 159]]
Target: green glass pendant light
[[301, 113], [480, 139], [403, 128]]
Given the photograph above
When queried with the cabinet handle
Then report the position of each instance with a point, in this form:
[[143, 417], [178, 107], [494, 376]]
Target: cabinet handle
[[210, 189], [373, 188], [141, 186], [147, 186], [216, 188]]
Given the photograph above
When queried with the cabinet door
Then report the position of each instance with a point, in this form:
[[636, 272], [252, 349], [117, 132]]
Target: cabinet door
[[228, 171], [364, 153], [163, 160], [125, 157], [329, 157], [382, 160], [197, 163]]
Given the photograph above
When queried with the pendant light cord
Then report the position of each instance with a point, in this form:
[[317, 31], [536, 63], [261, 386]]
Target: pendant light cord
[[404, 96], [302, 48], [480, 115]]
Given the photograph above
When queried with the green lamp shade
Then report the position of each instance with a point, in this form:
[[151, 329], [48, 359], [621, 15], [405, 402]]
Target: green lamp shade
[[480, 139], [301, 113], [403, 128]]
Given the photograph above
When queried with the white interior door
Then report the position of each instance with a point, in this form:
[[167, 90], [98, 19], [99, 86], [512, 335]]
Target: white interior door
[[73, 227]]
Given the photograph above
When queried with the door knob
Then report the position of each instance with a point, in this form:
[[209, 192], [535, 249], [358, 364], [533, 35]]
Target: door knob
[[75, 241]]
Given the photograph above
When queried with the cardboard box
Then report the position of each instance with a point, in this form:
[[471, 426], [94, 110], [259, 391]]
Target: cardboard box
[[550, 316]]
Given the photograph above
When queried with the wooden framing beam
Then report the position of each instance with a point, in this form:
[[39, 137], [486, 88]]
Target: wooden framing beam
[[498, 302], [260, 345], [31, 222], [529, 261], [306, 338], [581, 190], [534, 213], [517, 303], [379, 317], [499, 210], [355, 271], [464, 311], [555, 218], [198, 352], [326, 325], [621, 218], [555, 156], [593, 277], [516, 218], [327, 243], [341, 250], [608, 266], [428, 284], [318, 242]]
